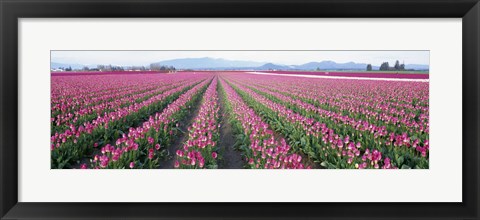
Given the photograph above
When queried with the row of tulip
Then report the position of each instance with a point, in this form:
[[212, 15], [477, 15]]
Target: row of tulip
[[257, 141], [71, 92], [200, 150], [63, 121], [380, 110], [396, 92], [396, 119], [400, 134], [332, 148], [69, 147], [72, 103], [145, 145], [369, 132]]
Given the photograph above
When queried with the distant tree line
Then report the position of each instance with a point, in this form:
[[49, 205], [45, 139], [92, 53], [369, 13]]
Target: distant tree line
[[139, 68], [159, 67], [110, 68], [86, 68], [106, 68], [154, 67], [65, 68], [385, 66]]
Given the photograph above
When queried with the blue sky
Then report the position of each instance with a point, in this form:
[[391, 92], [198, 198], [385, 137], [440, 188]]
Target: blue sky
[[126, 58]]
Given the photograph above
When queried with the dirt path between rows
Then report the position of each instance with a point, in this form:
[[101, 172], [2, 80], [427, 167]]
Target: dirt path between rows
[[184, 124], [231, 158]]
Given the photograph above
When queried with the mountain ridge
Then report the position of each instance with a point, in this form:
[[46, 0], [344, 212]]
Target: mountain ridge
[[208, 63]]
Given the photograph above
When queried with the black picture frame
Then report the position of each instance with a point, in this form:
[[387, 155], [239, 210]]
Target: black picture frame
[[12, 10]]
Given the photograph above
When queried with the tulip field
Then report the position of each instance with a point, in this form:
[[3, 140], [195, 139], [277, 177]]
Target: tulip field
[[206, 120]]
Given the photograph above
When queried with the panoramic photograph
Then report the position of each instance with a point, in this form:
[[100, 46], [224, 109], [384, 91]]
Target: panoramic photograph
[[239, 109]]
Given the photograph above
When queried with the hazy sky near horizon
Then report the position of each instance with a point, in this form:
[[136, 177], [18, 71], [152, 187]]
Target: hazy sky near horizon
[[128, 58]]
